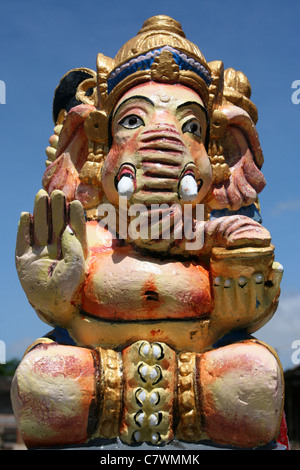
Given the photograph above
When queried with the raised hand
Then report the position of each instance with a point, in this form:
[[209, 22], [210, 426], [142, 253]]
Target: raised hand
[[50, 256]]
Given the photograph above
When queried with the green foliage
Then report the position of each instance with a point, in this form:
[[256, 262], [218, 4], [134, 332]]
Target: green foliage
[[9, 368]]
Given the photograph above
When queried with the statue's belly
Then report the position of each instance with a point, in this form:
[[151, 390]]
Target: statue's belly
[[122, 285]]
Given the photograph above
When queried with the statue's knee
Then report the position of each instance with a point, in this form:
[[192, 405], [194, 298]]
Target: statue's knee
[[52, 393], [241, 394]]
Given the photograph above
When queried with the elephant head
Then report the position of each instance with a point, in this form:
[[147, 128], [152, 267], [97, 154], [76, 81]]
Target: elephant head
[[157, 124]]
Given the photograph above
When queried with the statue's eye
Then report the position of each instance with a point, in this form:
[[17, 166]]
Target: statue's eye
[[192, 126], [131, 122]]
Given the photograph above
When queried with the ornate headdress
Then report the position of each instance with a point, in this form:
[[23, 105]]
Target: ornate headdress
[[159, 52]]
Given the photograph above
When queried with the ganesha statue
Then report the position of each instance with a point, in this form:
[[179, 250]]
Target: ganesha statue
[[145, 252]]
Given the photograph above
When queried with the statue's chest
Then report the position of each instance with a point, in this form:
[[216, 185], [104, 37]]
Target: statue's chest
[[123, 285]]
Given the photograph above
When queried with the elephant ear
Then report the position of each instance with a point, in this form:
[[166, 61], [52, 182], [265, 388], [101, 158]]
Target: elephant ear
[[71, 150], [74, 158], [234, 146]]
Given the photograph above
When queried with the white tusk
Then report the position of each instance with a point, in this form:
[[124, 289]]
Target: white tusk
[[188, 189], [125, 186]]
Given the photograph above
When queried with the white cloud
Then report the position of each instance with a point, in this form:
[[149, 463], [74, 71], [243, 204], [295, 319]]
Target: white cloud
[[286, 206], [283, 330]]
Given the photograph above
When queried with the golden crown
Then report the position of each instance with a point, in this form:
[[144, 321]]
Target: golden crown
[[160, 52]]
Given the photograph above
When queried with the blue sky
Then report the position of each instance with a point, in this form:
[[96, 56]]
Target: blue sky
[[40, 41]]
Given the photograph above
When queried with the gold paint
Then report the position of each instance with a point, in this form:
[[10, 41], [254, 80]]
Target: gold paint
[[237, 90], [251, 253], [252, 305], [164, 68], [180, 335], [83, 87], [218, 128], [110, 393], [216, 87], [61, 117], [91, 173], [157, 32], [96, 126], [148, 393], [37, 342], [220, 168], [104, 66], [219, 123], [189, 426]]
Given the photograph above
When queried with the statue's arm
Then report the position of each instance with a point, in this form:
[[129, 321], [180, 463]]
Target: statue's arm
[[51, 253]]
